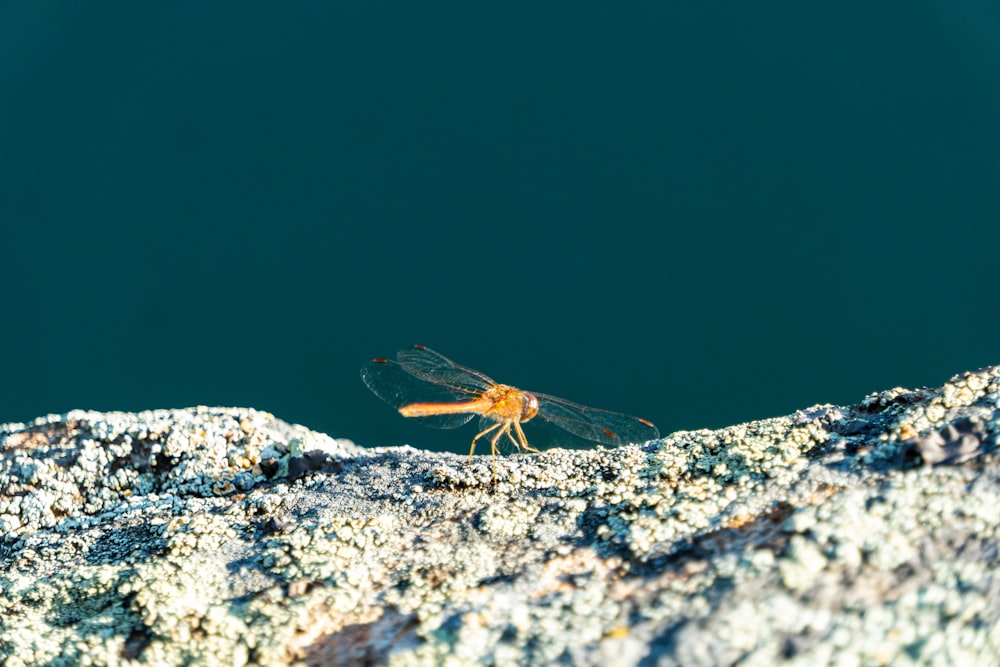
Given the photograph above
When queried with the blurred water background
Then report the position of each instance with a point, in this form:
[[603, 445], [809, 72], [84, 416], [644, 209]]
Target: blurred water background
[[696, 213]]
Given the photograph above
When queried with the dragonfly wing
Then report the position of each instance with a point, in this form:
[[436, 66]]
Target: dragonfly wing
[[396, 386], [600, 426], [427, 364]]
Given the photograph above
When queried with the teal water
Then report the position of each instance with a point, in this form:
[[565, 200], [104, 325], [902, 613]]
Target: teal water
[[699, 215]]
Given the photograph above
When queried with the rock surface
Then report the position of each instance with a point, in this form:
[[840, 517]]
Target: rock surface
[[861, 535]]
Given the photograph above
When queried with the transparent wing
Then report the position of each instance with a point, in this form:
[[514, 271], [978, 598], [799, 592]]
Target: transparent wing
[[395, 385], [427, 364], [601, 426], [543, 434]]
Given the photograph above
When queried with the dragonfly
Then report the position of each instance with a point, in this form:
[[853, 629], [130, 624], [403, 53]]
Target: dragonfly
[[425, 385]]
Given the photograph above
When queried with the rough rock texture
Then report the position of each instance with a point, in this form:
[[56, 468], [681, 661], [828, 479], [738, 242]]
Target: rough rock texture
[[862, 535]]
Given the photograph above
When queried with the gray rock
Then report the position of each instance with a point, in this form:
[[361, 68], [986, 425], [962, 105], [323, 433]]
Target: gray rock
[[860, 535]]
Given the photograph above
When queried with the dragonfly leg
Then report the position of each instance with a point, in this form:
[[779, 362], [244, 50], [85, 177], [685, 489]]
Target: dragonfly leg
[[523, 444], [481, 434], [493, 446]]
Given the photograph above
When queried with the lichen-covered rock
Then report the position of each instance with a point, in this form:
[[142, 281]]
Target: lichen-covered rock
[[862, 535]]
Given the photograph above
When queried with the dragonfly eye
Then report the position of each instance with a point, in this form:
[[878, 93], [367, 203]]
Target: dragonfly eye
[[530, 407]]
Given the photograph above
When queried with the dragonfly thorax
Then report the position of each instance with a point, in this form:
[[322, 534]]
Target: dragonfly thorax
[[510, 404]]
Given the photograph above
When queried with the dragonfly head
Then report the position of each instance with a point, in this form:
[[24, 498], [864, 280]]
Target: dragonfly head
[[530, 408]]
